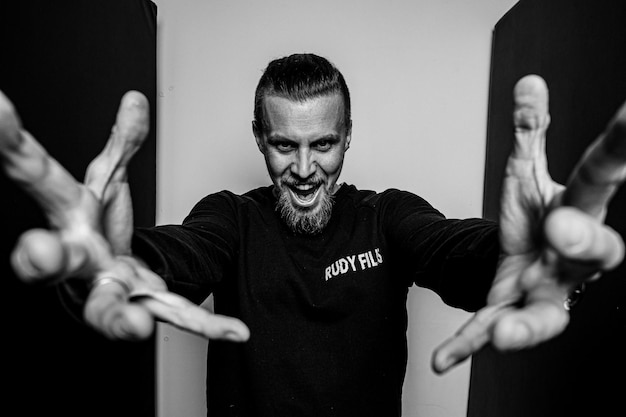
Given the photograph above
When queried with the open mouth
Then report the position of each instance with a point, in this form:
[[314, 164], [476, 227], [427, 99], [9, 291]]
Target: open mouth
[[304, 195]]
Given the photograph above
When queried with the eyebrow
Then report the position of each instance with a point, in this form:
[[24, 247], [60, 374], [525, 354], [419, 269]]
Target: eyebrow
[[280, 138]]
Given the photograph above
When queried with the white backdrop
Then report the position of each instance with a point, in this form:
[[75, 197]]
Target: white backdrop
[[418, 71]]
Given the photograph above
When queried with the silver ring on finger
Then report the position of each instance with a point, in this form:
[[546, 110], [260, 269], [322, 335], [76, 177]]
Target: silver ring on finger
[[109, 279]]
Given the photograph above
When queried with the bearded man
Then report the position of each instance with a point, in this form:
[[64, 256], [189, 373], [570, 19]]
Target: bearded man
[[318, 270]]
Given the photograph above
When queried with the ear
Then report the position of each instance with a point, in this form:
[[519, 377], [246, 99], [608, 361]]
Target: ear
[[258, 136], [348, 136]]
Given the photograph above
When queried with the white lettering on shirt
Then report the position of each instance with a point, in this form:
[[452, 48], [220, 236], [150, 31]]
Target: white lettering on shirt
[[366, 260]]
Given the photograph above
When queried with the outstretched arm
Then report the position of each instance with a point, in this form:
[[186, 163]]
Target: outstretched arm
[[553, 237], [87, 248]]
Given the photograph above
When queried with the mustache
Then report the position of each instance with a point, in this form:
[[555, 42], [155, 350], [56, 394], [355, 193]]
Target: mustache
[[314, 181]]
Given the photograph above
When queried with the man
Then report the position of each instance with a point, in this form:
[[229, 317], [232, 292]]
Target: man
[[318, 270]]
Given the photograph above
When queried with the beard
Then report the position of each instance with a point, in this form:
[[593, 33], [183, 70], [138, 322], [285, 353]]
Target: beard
[[307, 221]]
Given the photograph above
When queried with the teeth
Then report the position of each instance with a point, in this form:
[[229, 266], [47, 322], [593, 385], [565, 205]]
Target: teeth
[[304, 193], [304, 187]]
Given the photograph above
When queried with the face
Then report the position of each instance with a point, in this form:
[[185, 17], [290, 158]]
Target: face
[[304, 146]]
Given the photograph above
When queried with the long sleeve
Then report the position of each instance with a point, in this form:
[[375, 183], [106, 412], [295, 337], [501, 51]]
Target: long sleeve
[[193, 257], [455, 258]]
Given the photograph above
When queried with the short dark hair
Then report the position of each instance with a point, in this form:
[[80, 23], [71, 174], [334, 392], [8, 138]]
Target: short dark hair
[[300, 77]]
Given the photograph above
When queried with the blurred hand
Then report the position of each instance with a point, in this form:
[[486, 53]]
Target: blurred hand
[[88, 246], [552, 237]]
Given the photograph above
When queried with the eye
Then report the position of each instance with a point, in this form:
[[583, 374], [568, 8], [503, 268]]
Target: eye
[[323, 145], [284, 146]]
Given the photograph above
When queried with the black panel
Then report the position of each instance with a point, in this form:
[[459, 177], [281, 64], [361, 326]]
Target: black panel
[[579, 47], [65, 65]]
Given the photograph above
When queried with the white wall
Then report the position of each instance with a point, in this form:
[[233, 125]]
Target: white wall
[[418, 72]]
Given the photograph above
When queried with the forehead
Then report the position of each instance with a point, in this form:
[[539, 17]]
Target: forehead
[[318, 115]]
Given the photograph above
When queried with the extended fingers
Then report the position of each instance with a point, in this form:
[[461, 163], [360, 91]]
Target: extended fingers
[[121, 312], [185, 315], [530, 117], [132, 124], [469, 339], [43, 257], [601, 170], [527, 187], [128, 133], [507, 327], [9, 126], [27, 163], [39, 256], [106, 175], [578, 237], [615, 137], [109, 311], [542, 317]]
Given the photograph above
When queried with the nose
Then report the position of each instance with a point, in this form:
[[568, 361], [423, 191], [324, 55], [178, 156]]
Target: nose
[[304, 165]]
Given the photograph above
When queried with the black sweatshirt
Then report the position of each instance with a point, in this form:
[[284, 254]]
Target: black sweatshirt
[[327, 313]]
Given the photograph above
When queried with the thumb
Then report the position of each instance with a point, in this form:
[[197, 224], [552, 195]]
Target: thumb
[[39, 257]]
